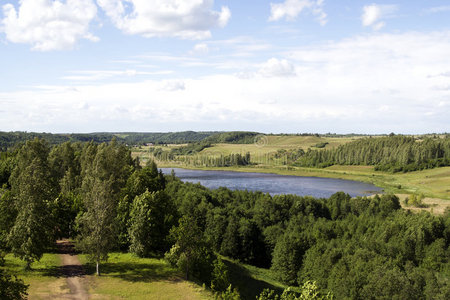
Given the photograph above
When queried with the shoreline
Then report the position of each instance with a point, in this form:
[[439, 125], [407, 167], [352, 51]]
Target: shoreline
[[397, 183]]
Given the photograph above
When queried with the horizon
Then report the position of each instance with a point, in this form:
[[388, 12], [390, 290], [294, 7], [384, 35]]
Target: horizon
[[224, 131], [283, 66]]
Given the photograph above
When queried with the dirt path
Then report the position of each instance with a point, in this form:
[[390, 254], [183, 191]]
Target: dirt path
[[73, 271]]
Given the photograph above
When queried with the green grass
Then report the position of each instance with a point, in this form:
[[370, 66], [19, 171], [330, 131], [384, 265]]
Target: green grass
[[126, 276], [250, 280], [44, 281]]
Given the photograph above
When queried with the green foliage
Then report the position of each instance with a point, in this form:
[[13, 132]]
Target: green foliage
[[190, 253], [309, 291], [233, 137], [32, 189], [393, 154], [219, 277], [415, 200], [151, 218], [140, 181], [105, 171], [228, 294], [8, 214]]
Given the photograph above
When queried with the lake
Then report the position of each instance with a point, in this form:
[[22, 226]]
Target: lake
[[275, 184]]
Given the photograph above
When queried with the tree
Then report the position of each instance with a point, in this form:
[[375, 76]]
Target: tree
[[151, 218], [219, 281], [189, 245], [101, 185], [32, 189], [8, 215]]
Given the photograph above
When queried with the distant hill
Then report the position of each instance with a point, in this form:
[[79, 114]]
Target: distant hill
[[10, 139]]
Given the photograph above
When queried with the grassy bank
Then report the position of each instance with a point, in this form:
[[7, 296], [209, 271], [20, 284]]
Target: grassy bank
[[126, 276]]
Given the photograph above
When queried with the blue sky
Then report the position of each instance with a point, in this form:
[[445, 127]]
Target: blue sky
[[268, 66]]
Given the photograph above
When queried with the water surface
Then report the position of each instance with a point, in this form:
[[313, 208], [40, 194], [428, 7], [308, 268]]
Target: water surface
[[275, 184]]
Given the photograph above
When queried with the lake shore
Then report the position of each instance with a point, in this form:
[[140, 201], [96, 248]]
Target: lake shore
[[433, 183]]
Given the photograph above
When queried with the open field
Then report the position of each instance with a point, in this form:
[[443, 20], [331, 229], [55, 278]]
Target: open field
[[270, 144], [126, 276]]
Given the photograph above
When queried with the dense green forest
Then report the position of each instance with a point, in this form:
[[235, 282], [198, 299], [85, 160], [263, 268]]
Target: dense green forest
[[393, 153], [360, 248], [10, 139]]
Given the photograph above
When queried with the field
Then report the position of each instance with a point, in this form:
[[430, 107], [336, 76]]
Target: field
[[124, 276]]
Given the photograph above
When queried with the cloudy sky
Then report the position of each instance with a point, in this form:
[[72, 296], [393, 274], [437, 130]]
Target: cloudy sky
[[269, 66]]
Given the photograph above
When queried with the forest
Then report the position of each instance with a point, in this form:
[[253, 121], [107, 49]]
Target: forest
[[393, 153], [11, 139], [342, 247]]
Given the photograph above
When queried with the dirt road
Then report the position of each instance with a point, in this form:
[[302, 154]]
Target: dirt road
[[73, 271]]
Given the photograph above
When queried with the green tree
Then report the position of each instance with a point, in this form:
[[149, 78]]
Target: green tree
[[102, 180], [189, 243], [32, 189], [220, 280], [151, 218], [8, 213]]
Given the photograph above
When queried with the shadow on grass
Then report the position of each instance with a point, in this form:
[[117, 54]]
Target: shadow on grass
[[135, 272], [247, 286]]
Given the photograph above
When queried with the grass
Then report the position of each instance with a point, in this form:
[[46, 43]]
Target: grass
[[44, 279], [249, 280], [126, 276]]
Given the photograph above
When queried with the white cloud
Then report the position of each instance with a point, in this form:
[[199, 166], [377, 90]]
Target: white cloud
[[291, 9], [200, 49], [438, 9], [372, 14], [370, 83], [172, 85], [49, 25], [93, 75], [277, 68], [188, 19]]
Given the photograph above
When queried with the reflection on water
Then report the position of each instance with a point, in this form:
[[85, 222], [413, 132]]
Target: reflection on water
[[275, 184]]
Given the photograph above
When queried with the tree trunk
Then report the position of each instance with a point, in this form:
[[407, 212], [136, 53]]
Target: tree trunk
[[28, 265], [98, 270]]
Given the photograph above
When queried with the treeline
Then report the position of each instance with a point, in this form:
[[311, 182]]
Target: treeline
[[233, 137], [392, 154], [190, 156], [362, 248], [10, 139]]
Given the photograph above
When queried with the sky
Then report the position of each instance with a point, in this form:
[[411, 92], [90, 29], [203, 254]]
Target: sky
[[279, 66]]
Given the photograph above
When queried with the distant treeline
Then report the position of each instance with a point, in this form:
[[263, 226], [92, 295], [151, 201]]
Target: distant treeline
[[10, 139], [393, 154]]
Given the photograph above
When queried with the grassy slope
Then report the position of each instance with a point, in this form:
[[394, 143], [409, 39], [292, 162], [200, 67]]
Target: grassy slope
[[125, 276]]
